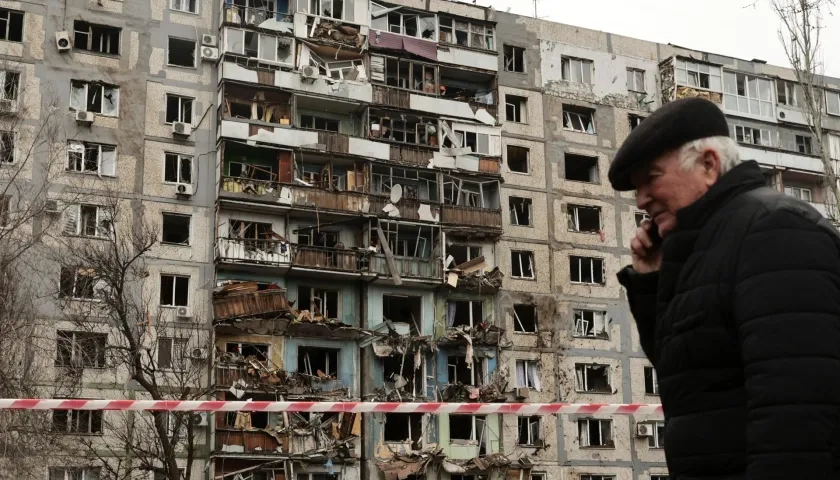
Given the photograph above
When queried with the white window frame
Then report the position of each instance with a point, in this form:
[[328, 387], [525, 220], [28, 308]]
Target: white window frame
[[104, 41], [182, 100], [576, 70], [73, 220], [635, 80], [530, 258], [578, 122], [529, 381], [761, 84], [189, 233], [836, 103], [748, 135], [478, 371], [531, 420], [788, 90], [88, 473], [520, 109], [180, 159], [175, 278], [450, 29], [185, 9], [529, 203], [582, 323], [688, 69], [654, 379], [115, 91], [8, 12], [104, 168], [14, 137], [800, 193], [510, 63], [319, 8], [537, 476], [640, 217], [572, 213], [655, 441], [586, 442], [592, 270], [474, 435], [582, 375]]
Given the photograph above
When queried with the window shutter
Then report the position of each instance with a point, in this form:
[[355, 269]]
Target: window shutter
[[71, 220]]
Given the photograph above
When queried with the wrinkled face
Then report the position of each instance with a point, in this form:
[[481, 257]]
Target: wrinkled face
[[665, 187]]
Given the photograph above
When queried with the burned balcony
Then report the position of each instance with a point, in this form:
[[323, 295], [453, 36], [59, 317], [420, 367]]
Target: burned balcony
[[264, 14], [471, 204], [256, 105], [256, 243], [411, 247], [248, 300], [474, 87], [335, 121]]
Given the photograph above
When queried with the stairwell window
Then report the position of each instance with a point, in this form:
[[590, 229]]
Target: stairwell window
[[522, 264], [174, 291], [94, 158], [586, 270], [595, 433], [179, 109]]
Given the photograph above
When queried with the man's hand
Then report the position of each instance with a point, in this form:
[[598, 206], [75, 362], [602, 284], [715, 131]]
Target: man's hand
[[647, 256]]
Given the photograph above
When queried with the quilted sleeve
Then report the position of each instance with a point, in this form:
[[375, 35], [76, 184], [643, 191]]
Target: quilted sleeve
[[787, 313], [641, 294]]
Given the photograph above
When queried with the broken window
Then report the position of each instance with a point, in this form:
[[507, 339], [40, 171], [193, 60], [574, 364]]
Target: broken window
[[181, 52], [799, 192], [525, 318], [641, 217], [466, 34], [635, 120], [587, 270], [518, 159], [578, 119], [257, 350], [399, 371], [86, 157], [595, 433], [174, 291], [73, 473], [748, 94], [653, 477], [590, 324], [464, 313], [522, 264], [403, 73], [87, 422], [318, 238], [177, 168], [636, 80], [409, 23], [96, 38], [520, 211], [318, 362], [463, 253], [94, 97], [179, 109], [529, 431], [467, 427], [466, 193], [528, 374], [11, 25], [577, 70], [651, 381], [584, 218], [77, 283], [404, 309], [514, 59], [81, 349], [657, 440], [172, 353], [537, 476], [698, 75], [581, 168], [186, 6], [176, 229], [404, 428], [404, 128], [803, 144], [754, 136], [516, 109], [318, 301], [592, 378], [459, 371], [311, 122], [792, 95], [327, 8], [477, 142], [8, 148], [88, 220], [9, 85], [253, 172]]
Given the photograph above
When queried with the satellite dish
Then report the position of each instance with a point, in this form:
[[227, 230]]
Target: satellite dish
[[396, 193]]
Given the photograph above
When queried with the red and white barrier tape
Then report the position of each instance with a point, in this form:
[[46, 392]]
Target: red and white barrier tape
[[349, 407]]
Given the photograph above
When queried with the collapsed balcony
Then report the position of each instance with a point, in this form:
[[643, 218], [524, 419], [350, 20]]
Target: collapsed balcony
[[476, 88], [471, 203], [334, 31], [252, 243], [467, 324], [266, 14], [266, 51], [248, 299], [411, 248], [469, 274]]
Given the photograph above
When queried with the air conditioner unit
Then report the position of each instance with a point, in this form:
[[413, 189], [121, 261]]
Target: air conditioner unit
[[209, 40], [184, 313], [644, 429], [522, 392], [62, 41], [199, 419], [84, 117], [199, 354], [51, 206], [184, 189], [781, 114], [210, 54], [181, 128], [309, 72]]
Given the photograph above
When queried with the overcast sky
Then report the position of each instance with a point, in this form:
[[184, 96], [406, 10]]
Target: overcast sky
[[727, 27]]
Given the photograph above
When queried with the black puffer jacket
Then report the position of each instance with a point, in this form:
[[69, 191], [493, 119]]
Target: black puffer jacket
[[742, 324]]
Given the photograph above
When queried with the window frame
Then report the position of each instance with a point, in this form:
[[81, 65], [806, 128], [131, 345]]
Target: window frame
[[75, 347], [532, 421], [488, 32], [530, 256], [806, 144], [601, 422], [179, 158], [695, 67], [76, 285], [573, 215], [585, 368], [511, 61], [517, 323], [657, 441], [748, 137], [643, 215], [4, 79], [14, 150], [794, 191], [103, 214], [592, 270], [519, 109], [747, 97], [527, 152], [527, 365], [632, 75], [5, 33], [103, 86], [572, 112], [68, 473], [103, 39], [189, 229], [73, 419], [178, 348], [181, 10], [181, 102], [514, 215], [582, 66], [175, 278], [578, 319], [103, 168], [169, 52], [654, 380]]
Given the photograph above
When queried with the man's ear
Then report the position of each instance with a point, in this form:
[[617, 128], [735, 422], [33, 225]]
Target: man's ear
[[710, 163]]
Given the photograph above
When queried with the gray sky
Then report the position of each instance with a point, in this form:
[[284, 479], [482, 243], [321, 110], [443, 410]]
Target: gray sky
[[727, 27]]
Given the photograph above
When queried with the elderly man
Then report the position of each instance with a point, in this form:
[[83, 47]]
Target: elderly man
[[735, 289]]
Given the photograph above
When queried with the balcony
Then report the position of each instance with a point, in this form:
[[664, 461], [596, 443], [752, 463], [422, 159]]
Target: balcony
[[340, 201], [251, 251], [257, 17], [324, 258], [472, 217], [250, 442], [408, 268], [255, 304], [410, 209]]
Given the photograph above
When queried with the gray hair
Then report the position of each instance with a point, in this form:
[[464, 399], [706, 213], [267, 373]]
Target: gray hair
[[726, 147]]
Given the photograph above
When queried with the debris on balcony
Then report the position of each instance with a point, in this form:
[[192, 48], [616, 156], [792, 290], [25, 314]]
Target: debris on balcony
[[400, 467], [471, 276], [403, 357], [482, 334], [238, 300], [332, 31], [315, 324], [322, 434], [495, 461], [491, 391]]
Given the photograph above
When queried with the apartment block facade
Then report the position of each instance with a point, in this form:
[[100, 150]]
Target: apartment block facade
[[366, 200]]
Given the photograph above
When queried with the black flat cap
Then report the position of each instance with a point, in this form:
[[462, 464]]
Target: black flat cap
[[671, 126]]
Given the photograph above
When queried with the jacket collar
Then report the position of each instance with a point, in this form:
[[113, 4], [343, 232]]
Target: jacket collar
[[742, 178]]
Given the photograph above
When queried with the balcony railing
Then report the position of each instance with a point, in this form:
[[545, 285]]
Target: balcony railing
[[251, 16], [264, 302], [472, 216], [391, 96], [227, 375], [327, 258], [410, 154], [409, 208], [408, 267], [251, 442], [329, 199], [268, 252], [334, 142]]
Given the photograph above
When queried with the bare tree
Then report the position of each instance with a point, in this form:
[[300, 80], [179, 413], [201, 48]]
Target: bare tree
[[800, 35], [105, 289]]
